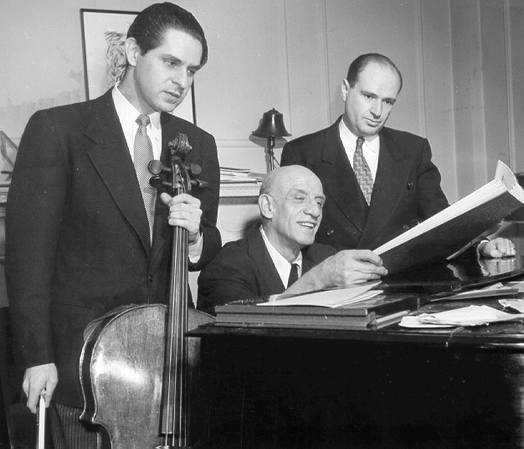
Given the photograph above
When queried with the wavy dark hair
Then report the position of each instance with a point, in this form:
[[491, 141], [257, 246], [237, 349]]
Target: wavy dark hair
[[149, 27]]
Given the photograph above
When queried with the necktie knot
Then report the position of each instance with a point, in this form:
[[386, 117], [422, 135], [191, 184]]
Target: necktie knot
[[360, 142], [143, 120]]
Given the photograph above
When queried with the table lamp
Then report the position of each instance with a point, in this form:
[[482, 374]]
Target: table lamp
[[271, 126]]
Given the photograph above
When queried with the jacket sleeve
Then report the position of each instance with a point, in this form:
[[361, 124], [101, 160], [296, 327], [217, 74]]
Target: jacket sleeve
[[209, 198], [34, 210], [431, 199]]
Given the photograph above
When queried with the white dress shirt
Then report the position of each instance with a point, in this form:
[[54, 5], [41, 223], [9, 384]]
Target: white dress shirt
[[281, 264], [370, 147], [127, 114]]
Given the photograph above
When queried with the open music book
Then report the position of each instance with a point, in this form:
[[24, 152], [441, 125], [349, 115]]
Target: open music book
[[336, 297], [456, 228]]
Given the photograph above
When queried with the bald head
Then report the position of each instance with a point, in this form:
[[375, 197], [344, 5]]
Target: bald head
[[282, 177], [291, 200]]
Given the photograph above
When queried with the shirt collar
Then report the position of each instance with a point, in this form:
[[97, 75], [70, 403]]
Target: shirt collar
[[281, 264], [128, 113], [346, 135]]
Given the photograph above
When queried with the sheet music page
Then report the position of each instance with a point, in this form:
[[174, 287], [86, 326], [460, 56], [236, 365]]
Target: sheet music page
[[504, 181], [504, 173], [326, 298]]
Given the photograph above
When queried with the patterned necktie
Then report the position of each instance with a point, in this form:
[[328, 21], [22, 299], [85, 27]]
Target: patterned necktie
[[293, 275], [362, 171], [143, 152]]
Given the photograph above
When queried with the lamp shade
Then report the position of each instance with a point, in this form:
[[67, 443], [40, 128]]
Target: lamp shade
[[271, 125]]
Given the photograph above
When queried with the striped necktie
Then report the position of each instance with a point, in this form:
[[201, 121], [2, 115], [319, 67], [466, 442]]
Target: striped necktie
[[362, 171], [143, 154]]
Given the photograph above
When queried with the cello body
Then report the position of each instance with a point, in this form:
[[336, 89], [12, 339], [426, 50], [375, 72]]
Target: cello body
[[121, 371]]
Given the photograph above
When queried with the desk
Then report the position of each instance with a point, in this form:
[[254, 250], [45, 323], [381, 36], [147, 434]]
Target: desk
[[393, 387]]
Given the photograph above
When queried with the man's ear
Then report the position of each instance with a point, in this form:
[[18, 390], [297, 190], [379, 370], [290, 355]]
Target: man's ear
[[266, 206], [344, 89], [132, 51]]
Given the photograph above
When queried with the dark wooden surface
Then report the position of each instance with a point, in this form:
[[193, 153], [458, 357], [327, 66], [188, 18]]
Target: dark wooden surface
[[388, 388]]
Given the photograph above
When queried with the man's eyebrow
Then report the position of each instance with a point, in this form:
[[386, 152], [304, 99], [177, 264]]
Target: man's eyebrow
[[178, 61], [373, 95], [295, 190], [305, 192], [368, 94], [171, 57]]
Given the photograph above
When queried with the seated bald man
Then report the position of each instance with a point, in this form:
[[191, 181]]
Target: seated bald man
[[290, 202]]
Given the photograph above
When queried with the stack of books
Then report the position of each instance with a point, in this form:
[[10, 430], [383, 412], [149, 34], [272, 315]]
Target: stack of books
[[327, 309], [239, 175]]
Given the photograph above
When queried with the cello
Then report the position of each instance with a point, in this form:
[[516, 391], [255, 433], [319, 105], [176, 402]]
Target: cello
[[137, 367]]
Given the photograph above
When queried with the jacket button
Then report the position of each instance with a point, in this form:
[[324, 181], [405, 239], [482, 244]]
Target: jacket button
[[410, 186], [405, 227], [330, 232], [150, 278]]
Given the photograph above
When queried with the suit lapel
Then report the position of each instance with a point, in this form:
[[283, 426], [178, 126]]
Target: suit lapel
[[112, 160], [268, 273], [339, 180], [390, 183], [307, 264]]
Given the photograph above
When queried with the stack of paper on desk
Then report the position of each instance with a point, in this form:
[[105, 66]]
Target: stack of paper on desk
[[464, 316], [457, 227]]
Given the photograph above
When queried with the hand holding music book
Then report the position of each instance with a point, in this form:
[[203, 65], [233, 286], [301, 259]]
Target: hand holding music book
[[456, 228]]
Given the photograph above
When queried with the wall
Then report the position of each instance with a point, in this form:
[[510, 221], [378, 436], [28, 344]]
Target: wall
[[461, 60]]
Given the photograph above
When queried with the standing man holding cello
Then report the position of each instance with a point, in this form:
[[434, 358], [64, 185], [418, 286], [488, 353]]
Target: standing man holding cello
[[84, 236]]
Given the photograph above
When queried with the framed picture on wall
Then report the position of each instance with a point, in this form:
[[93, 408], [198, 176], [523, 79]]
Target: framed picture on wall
[[103, 36]]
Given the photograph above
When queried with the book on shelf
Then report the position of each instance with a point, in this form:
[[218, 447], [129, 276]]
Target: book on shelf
[[372, 313], [456, 228], [239, 175]]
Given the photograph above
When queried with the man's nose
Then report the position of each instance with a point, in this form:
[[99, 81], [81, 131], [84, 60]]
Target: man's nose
[[313, 209], [181, 78], [376, 108]]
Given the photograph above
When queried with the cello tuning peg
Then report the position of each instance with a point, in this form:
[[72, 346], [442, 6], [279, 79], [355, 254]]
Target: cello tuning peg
[[199, 183], [155, 167], [194, 169], [156, 182]]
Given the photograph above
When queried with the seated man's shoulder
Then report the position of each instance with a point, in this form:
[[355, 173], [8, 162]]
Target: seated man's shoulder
[[232, 248]]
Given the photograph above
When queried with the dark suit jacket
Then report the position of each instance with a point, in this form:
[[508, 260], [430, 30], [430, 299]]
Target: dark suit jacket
[[406, 189], [77, 232], [244, 269]]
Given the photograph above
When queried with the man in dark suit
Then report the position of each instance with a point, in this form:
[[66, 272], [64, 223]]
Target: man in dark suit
[[378, 181], [82, 237], [264, 263]]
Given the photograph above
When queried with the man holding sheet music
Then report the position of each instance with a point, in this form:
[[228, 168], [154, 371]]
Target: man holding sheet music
[[379, 182], [290, 202]]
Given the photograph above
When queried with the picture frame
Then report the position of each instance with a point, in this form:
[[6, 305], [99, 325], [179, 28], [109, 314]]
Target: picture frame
[[8, 152], [103, 35]]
